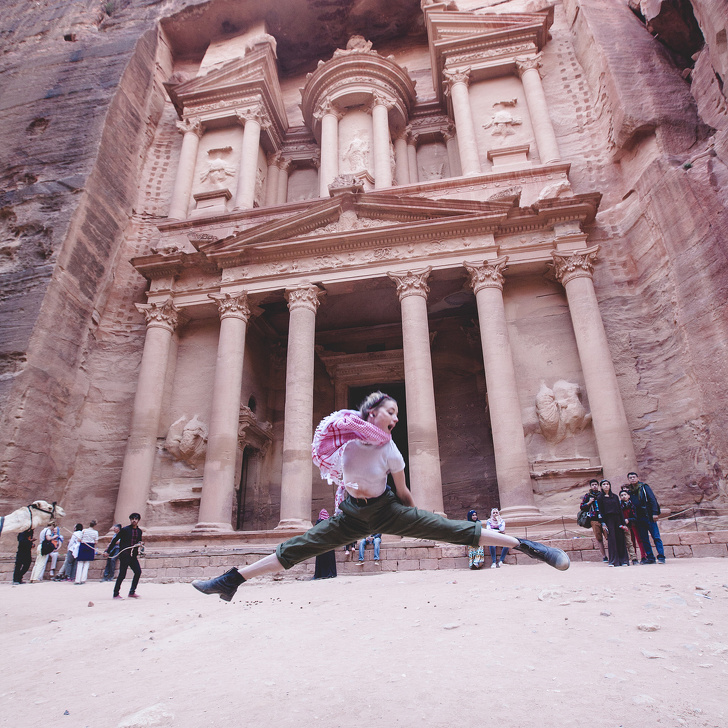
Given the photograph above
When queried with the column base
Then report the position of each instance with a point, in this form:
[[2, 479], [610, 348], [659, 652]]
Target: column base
[[212, 528], [521, 513], [293, 524]]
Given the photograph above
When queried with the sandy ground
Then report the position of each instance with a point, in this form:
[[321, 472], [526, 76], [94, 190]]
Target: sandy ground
[[520, 646]]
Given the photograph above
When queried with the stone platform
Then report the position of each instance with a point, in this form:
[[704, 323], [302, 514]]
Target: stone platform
[[167, 563]]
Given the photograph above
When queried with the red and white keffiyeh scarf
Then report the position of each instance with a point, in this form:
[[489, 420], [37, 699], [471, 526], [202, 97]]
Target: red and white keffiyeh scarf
[[332, 436]]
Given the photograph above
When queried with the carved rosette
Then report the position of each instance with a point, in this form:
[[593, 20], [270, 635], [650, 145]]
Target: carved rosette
[[412, 283], [192, 126], [576, 264], [453, 77], [488, 275], [303, 297], [232, 305], [160, 315], [528, 64]]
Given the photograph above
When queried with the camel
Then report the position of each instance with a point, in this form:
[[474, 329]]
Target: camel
[[37, 515]]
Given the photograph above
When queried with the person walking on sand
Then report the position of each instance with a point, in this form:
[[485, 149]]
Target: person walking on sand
[[356, 449], [129, 539]]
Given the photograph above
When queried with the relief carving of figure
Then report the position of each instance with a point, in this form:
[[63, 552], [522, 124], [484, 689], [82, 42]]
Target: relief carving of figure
[[433, 171], [217, 170], [502, 123], [356, 156], [259, 185], [187, 440], [559, 411]]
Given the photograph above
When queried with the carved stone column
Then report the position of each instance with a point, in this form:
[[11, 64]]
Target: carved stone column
[[283, 166], [296, 486], [381, 141], [424, 451], [247, 176], [401, 162], [614, 439], [192, 130], [453, 156], [141, 447], [271, 180], [456, 84], [218, 480], [538, 110], [329, 116], [414, 175], [509, 445]]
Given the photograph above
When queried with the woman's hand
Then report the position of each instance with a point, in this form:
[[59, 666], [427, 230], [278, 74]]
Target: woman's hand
[[400, 487]]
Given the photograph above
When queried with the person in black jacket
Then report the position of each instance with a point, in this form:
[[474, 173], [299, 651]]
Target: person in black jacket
[[648, 511], [610, 511], [24, 555], [589, 504], [129, 540]]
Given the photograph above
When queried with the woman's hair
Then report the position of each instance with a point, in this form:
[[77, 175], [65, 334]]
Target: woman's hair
[[372, 402], [608, 483], [79, 527], [92, 524]]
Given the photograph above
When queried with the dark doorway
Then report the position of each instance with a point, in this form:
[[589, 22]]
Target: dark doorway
[[399, 434], [242, 489]]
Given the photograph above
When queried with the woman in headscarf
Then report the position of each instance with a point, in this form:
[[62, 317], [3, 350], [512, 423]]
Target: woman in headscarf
[[476, 555], [325, 563], [496, 523], [356, 449]]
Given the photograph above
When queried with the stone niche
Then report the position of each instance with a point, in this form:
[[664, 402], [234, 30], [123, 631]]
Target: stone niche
[[503, 121], [560, 440]]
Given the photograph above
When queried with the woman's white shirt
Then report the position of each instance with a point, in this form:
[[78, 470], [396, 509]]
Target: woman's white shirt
[[366, 467], [89, 535]]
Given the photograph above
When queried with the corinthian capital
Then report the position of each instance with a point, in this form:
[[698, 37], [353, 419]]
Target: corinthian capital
[[381, 99], [575, 264], [160, 315], [452, 77], [327, 107], [412, 283], [254, 113], [232, 305], [306, 296], [193, 125], [488, 275], [528, 64]]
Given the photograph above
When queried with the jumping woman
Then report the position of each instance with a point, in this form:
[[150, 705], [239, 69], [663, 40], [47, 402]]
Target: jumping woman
[[356, 451]]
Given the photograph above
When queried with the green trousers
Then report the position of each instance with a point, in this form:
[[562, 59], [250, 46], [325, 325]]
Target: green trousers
[[384, 514]]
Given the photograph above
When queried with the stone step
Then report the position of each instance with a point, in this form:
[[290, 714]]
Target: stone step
[[185, 564]]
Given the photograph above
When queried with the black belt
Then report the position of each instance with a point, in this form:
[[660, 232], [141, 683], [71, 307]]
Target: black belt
[[366, 501]]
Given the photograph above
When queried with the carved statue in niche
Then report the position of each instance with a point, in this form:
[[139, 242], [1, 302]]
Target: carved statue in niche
[[217, 169], [187, 440], [356, 155], [558, 413], [259, 186], [502, 123]]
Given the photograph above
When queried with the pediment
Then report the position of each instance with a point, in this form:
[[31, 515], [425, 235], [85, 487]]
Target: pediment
[[359, 216], [231, 74]]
